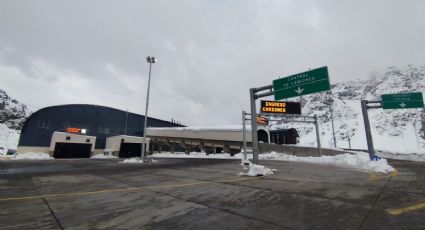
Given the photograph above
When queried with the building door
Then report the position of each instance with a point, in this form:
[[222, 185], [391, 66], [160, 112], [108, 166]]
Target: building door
[[263, 136], [72, 150], [130, 150], [277, 137]]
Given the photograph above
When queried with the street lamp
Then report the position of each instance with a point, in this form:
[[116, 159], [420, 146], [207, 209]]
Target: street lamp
[[150, 60]]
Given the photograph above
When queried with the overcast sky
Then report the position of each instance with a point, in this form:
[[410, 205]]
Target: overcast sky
[[209, 52]]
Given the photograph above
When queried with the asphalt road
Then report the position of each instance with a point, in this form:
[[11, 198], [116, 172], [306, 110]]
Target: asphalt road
[[207, 194]]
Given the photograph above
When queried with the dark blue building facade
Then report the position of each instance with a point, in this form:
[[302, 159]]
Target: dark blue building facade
[[99, 121]]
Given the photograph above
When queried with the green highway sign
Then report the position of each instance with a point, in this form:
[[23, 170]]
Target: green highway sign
[[308, 82], [402, 101]]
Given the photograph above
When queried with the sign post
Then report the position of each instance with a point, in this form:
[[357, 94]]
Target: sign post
[[308, 82], [388, 101], [244, 119], [369, 140]]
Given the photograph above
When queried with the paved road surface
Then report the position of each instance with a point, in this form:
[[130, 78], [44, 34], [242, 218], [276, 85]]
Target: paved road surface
[[206, 194]]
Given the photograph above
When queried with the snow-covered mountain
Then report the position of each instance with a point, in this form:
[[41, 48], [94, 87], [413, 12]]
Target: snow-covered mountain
[[12, 117], [393, 130]]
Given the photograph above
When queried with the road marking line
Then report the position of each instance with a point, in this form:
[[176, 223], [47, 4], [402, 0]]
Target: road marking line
[[398, 211], [125, 189]]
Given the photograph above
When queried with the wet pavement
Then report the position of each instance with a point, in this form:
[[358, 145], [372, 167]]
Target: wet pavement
[[207, 194]]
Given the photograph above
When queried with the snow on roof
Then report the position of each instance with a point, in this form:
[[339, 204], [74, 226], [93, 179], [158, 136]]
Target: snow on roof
[[205, 128]]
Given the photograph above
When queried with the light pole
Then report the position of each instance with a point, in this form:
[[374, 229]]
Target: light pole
[[150, 60]]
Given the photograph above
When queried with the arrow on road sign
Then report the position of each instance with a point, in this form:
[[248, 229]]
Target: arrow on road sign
[[299, 90], [403, 105]]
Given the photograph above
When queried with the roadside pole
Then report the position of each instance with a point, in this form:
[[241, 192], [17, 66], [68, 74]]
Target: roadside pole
[[365, 107], [254, 127], [331, 100], [244, 135], [316, 122], [423, 122], [253, 96]]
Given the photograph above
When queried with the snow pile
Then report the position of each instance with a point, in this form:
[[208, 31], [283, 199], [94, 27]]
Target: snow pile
[[8, 139], [402, 156], [359, 160], [134, 160], [257, 170], [102, 156], [33, 156], [137, 160]]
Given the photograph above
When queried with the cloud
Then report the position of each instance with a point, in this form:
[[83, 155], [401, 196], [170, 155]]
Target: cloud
[[210, 52]]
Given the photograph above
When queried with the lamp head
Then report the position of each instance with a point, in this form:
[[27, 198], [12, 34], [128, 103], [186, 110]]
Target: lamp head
[[150, 59]]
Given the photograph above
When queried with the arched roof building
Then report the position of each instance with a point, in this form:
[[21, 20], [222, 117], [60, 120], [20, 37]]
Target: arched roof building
[[99, 121]]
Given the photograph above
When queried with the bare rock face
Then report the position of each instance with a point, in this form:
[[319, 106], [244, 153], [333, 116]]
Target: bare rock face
[[12, 112]]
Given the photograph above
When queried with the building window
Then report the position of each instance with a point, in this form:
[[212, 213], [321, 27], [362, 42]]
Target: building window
[[107, 130], [44, 124]]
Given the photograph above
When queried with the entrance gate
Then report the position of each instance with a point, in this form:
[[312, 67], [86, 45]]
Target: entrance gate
[[72, 150]]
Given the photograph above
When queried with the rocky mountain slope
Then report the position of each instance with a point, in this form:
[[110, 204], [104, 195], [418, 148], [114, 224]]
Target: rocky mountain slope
[[12, 112], [12, 117], [393, 130]]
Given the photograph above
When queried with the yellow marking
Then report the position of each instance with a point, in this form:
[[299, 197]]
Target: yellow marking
[[124, 189], [374, 176], [398, 211]]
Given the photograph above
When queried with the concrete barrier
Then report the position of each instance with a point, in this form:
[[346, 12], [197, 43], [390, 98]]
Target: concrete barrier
[[300, 151]]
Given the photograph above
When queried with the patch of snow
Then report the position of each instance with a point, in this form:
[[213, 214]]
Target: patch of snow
[[32, 156], [134, 160], [258, 170], [137, 160], [103, 156], [8, 139]]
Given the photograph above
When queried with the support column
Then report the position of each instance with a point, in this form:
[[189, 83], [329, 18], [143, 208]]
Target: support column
[[369, 140]]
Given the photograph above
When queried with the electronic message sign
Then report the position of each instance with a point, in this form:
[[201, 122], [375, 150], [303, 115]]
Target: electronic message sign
[[76, 130], [280, 107]]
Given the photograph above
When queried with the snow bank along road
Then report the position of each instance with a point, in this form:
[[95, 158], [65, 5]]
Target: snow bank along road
[[207, 194]]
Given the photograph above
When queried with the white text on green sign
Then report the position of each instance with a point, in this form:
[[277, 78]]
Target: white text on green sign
[[402, 100], [312, 81]]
